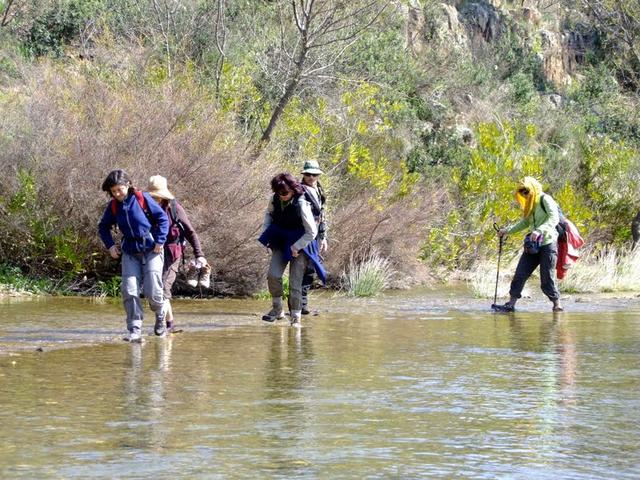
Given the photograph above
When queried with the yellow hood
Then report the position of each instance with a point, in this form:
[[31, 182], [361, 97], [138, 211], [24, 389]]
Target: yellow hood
[[528, 202]]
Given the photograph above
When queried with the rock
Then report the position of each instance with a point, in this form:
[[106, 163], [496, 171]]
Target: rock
[[465, 134], [436, 29], [531, 16], [555, 100], [553, 66], [483, 21]]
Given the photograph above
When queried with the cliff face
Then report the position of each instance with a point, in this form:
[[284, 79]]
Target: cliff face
[[473, 27]]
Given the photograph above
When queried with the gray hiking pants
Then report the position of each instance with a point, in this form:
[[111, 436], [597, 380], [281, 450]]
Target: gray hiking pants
[[141, 270], [297, 267], [546, 258]]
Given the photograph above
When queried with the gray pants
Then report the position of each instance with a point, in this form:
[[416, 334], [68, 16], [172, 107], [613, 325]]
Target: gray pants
[[546, 257], [141, 269], [297, 267]]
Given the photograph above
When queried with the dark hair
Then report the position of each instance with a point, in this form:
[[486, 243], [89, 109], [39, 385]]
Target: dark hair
[[115, 177], [286, 181]]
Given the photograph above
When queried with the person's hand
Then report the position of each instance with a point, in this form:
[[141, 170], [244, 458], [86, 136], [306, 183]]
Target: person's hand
[[202, 261], [535, 235], [324, 245], [502, 232], [158, 248], [114, 251], [294, 252]]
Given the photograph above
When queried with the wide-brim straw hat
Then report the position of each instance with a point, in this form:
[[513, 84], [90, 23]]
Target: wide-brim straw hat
[[312, 167], [158, 187]]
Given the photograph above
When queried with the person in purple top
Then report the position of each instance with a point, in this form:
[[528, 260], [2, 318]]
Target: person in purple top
[[144, 227], [180, 232]]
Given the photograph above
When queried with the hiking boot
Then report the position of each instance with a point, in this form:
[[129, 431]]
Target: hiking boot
[[169, 326], [205, 276], [507, 307], [557, 308], [305, 311], [295, 318], [159, 328], [133, 336], [273, 314], [193, 271]]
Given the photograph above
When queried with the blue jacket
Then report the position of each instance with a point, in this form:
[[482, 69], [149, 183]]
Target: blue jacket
[[278, 238], [138, 235]]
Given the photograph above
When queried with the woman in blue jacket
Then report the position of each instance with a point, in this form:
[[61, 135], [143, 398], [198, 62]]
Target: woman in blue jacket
[[144, 227]]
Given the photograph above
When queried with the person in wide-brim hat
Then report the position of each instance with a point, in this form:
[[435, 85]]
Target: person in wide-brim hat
[[158, 188], [311, 167]]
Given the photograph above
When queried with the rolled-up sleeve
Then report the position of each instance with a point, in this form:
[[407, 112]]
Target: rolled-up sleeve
[[309, 223]]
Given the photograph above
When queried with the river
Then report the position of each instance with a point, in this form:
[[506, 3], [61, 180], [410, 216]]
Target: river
[[415, 384]]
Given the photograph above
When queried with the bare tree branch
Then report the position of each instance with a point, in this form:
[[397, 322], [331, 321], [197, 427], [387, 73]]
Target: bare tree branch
[[5, 15], [325, 30]]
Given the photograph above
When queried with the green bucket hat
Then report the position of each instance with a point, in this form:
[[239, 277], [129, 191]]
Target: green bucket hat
[[312, 167]]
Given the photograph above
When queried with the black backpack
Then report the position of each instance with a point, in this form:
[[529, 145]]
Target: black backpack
[[562, 226]]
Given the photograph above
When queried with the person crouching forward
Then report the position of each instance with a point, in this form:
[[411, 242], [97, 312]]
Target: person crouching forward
[[144, 227], [289, 228], [540, 215]]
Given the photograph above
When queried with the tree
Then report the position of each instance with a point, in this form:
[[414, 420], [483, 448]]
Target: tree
[[313, 36], [619, 24]]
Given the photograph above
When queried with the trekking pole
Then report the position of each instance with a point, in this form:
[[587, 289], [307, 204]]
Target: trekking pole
[[500, 243]]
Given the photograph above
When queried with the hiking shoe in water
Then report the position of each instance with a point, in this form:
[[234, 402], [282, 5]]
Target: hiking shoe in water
[[273, 315], [507, 307], [133, 336], [169, 326], [205, 276], [159, 328], [193, 271], [305, 310], [295, 319]]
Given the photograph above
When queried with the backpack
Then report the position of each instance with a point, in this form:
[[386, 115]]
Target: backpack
[[177, 229], [141, 201], [561, 227]]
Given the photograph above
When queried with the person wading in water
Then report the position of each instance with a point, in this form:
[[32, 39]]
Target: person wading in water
[[180, 231], [314, 194], [289, 231], [144, 227], [539, 216]]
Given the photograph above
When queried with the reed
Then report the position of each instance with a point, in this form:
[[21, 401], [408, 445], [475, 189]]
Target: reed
[[610, 269], [368, 276]]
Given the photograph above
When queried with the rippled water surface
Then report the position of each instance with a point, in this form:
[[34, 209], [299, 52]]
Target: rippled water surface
[[421, 384]]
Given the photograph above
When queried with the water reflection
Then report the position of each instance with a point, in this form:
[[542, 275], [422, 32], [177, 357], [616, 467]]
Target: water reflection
[[551, 345], [415, 394], [145, 393], [288, 379]]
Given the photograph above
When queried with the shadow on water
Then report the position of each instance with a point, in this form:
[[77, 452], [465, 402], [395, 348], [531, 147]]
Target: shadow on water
[[427, 385]]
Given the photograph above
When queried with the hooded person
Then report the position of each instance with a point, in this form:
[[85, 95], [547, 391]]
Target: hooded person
[[540, 216], [180, 232]]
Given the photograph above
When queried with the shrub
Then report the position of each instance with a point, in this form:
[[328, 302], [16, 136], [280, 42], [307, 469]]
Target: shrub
[[367, 276]]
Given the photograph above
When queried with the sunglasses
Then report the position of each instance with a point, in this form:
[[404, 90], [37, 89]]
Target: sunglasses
[[284, 193], [524, 191], [310, 174]]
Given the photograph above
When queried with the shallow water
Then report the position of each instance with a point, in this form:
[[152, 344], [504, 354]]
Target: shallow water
[[422, 384]]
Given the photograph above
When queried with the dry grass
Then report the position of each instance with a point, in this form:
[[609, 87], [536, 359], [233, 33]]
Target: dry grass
[[608, 270], [368, 276]]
